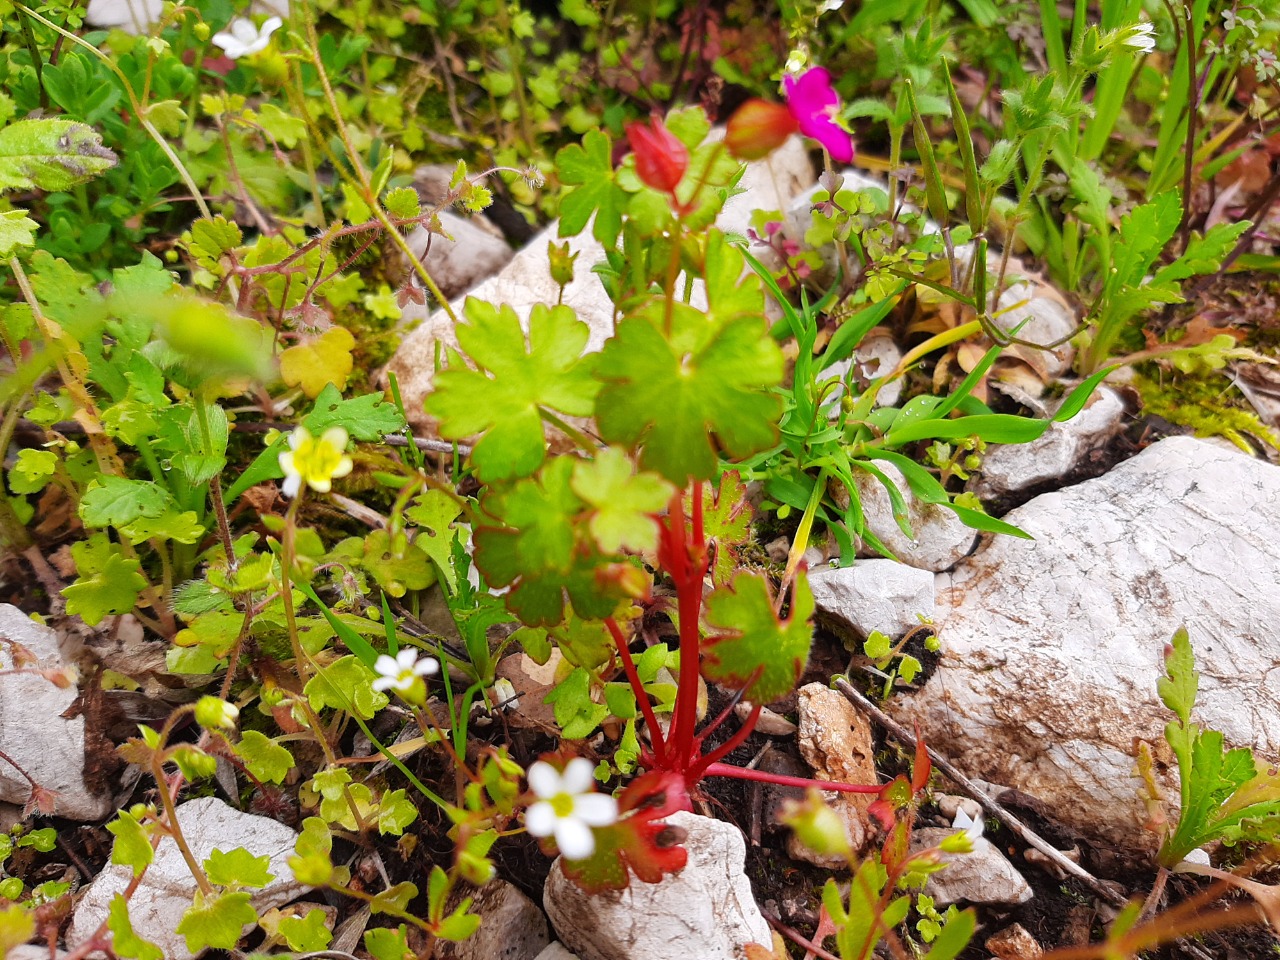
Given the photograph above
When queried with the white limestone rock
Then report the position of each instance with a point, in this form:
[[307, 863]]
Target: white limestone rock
[[167, 887], [705, 911], [940, 539], [34, 733], [984, 875], [1059, 450], [879, 594], [1052, 647]]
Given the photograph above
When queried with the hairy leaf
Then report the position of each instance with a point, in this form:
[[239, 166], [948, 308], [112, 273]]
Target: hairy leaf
[[751, 647]]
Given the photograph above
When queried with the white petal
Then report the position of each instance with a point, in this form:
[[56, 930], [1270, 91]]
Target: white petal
[[320, 484], [972, 827], [335, 437], [403, 682], [382, 684], [243, 30], [540, 819], [292, 484], [232, 47], [343, 468], [406, 658], [544, 781], [386, 666], [270, 26], [579, 776], [426, 667], [574, 838], [596, 809], [300, 435]]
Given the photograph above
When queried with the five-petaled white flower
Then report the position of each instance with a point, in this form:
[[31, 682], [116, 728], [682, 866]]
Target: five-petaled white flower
[[403, 670], [567, 807], [1141, 36], [317, 460], [242, 38]]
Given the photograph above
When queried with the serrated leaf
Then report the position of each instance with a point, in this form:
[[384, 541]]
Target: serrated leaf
[[397, 566], [306, 934], [50, 154], [132, 847], [750, 647], [537, 552], [211, 239], [434, 514], [114, 501], [367, 417], [17, 230], [626, 503], [402, 202], [588, 171], [576, 713], [501, 398], [638, 842], [216, 922], [108, 582], [1181, 682], [346, 684], [319, 362], [1144, 233], [286, 128], [386, 943], [726, 522], [264, 758], [684, 396], [125, 942], [238, 868], [1204, 254], [32, 470], [311, 864]]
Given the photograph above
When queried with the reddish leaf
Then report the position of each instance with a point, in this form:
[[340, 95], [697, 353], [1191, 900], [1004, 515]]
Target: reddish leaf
[[894, 796], [923, 766], [639, 842]]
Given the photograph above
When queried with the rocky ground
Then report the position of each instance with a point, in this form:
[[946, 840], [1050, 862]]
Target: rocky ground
[[1044, 683]]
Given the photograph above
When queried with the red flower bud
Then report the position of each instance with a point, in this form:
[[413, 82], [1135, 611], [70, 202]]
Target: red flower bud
[[661, 159], [757, 128]]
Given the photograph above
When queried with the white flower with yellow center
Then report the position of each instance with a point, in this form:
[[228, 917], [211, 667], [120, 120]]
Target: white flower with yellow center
[[315, 461], [567, 808], [402, 671], [242, 38]]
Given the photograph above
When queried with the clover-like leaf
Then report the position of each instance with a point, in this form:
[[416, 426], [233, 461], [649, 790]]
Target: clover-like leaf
[[690, 392], [346, 684], [395, 812], [108, 582], [216, 922], [625, 502], [501, 399], [639, 842], [307, 934], [132, 847], [588, 170], [237, 867], [320, 361], [750, 647], [264, 758]]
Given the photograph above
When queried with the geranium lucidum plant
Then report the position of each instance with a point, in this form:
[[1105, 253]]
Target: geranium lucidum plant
[[580, 540]]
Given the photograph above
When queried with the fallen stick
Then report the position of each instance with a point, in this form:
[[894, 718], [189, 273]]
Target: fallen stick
[[902, 734]]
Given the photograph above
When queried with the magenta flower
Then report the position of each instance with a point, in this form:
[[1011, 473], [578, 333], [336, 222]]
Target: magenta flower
[[815, 104]]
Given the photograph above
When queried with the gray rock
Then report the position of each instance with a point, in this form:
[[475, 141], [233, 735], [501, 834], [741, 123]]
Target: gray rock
[[704, 911], [1009, 468], [167, 888], [940, 540], [512, 927], [33, 951], [33, 732], [872, 595], [1052, 648], [472, 252], [835, 740], [1047, 316], [876, 356], [983, 875]]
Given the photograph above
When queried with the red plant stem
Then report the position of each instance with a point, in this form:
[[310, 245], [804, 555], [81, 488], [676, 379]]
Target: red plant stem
[[714, 725], [781, 780], [655, 732], [729, 745], [687, 566]]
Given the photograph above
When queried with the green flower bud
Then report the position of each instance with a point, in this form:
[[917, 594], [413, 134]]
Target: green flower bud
[[215, 714]]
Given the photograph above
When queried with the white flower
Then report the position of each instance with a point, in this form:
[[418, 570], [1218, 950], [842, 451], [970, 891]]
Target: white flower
[[402, 671], [1140, 36], [972, 827], [504, 695], [241, 38], [567, 807], [316, 460]]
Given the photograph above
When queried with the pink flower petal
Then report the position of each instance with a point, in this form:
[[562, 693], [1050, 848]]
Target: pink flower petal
[[814, 104]]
